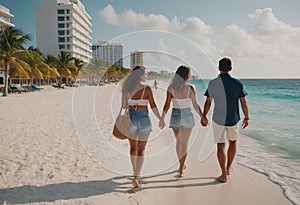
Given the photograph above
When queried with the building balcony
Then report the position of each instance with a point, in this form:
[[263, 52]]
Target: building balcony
[[5, 12], [6, 23]]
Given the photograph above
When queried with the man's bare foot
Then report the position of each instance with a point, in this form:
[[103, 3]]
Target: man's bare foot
[[229, 170], [222, 179], [135, 182]]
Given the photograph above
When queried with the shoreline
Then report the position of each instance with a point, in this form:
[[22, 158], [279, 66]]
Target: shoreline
[[267, 163], [46, 155], [273, 181]]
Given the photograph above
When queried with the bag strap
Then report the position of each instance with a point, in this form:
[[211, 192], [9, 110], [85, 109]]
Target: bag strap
[[126, 109], [129, 96]]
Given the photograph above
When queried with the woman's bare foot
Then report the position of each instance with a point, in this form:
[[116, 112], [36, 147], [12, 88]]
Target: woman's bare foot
[[181, 171], [229, 170], [222, 179], [184, 167], [135, 182], [180, 175]]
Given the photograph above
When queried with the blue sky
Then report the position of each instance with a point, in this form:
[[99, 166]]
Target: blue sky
[[261, 37]]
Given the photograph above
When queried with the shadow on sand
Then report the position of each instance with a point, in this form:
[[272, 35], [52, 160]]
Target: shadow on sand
[[70, 190]]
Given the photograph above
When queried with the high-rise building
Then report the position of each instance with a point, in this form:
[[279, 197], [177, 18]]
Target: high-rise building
[[5, 17], [64, 25], [111, 53], [136, 58]]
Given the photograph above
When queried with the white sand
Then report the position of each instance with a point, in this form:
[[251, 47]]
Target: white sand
[[58, 149]]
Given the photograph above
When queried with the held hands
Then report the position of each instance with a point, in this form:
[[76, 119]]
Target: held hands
[[162, 123], [204, 121]]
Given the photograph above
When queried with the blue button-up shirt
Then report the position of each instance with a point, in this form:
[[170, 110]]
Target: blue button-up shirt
[[226, 92]]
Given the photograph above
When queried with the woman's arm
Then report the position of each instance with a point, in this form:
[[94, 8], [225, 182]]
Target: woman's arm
[[152, 102], [194, 101], [167, 105]]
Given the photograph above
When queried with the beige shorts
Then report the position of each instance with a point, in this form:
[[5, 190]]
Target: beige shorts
[[222, 133]]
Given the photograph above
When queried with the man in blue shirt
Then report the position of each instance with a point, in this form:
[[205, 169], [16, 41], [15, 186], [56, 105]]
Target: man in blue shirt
[[226, 92]]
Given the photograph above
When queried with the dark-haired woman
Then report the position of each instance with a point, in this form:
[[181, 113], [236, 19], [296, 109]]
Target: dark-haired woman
[[183, 97], [136, 96]]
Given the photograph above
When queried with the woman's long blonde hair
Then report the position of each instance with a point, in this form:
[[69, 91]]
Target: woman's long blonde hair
[[133, 79]]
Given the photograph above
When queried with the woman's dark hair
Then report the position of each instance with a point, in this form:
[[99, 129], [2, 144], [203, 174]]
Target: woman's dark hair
[[133, 78], [180, 78]]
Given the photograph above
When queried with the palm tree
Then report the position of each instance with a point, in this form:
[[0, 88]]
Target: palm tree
[[39, 69], [64, 64], [78, 66], [11, 41], [31, 48], [52, 62], [116, 73], [93, 71]]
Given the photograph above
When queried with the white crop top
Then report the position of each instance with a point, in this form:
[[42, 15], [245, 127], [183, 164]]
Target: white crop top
[[140, 102], [182, 103]]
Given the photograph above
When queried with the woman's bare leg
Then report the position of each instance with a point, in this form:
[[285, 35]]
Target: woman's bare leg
[[182, 138], [133, 154], [141, 146], [176, 133]]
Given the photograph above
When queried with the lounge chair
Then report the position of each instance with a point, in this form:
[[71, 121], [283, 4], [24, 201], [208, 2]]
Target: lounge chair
[[15, 89], [34, 87]]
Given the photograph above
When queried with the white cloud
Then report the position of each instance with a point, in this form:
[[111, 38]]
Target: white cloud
[[132, 19], [271, 37], [269, 28], [280, 36], [237, 42], [110, 15], [270, 44], [161, 46]]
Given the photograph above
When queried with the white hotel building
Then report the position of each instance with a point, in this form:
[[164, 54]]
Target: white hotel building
[[5, 17], [64, 25]]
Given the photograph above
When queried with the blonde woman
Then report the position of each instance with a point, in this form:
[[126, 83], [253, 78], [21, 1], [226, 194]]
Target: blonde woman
[[136, 96], [183, 97]]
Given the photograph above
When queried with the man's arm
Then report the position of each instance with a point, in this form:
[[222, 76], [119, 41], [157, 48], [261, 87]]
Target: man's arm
[[245, 111], [206, 108]]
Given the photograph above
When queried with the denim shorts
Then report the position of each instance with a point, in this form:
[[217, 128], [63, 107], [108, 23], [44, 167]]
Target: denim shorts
[[140, 122], [181, 118]]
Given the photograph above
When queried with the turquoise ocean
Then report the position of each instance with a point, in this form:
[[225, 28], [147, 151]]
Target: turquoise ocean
[[271, 143]]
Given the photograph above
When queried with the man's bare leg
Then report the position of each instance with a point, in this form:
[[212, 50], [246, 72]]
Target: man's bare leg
[[230, 155], [222, 162]]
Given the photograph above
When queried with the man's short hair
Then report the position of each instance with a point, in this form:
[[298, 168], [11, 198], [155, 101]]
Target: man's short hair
[[225, 64]]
